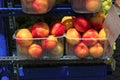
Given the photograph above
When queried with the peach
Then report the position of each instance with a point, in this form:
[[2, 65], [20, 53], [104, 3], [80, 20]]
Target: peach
[[81, 24], [97, 22], [40, 6], [102, 35], [58, 50], [81, 50], [57, 29], [90, 37], [73, 37], [24, 37], [40, 30], [35, 50], [22, 49], [92, 5], [49, 43], [67, 22], [96, 50]]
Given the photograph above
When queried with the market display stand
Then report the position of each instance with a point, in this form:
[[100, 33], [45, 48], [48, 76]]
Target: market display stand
[[62, 69]]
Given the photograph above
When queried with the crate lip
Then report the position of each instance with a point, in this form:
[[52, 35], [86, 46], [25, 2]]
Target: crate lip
[[35, 38], [86, 38]]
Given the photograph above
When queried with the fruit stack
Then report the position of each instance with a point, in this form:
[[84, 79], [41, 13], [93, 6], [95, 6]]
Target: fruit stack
[[37, 6], [86, 6], [85, 36], [40, 41]]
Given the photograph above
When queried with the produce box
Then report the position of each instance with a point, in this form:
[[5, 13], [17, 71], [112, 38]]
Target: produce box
[[86, 6], [88, 48], [37, 6], [87, 38], [28, 47]]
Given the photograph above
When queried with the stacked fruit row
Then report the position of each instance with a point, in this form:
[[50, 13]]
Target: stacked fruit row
[[84, 36], [79, 6], [41, 41]]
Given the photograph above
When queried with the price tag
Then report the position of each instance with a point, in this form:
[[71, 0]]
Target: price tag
[[112, 26]]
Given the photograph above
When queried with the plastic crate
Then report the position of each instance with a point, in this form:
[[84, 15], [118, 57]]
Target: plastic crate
[[37, 6], [40, 48]]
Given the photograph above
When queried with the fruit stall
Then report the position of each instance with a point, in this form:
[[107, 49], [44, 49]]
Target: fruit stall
[[58, 39]]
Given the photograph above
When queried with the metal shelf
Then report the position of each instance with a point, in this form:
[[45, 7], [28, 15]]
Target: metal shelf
[[62, 61]]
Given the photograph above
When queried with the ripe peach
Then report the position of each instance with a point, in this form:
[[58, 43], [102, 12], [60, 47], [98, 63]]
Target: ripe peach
[[90, 37], [35, 50], [96, 50], [50, 42], [81, 50], [73, 37], [92, 5], [22, 37], [58, 50], [22, 49], [40, 30], [97, 22], [57, 29], [67, 22], [81, 24], [102, 36], [40, 6]]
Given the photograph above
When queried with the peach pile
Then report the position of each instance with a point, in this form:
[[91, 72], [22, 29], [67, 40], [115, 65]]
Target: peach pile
[[37, 6], [39, 38], [87, 37]]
